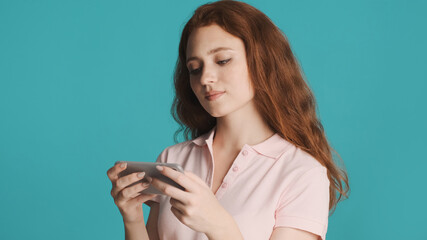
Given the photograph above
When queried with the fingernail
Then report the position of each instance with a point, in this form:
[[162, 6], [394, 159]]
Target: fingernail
[[123, 165], [160, 168], [149, 178], [141, 174]]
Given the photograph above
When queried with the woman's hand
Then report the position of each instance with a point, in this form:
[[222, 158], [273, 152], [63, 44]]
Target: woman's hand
[[196, 207], [128, 199]]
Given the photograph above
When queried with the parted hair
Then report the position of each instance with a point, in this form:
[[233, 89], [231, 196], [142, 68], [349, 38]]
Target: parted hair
[[282, 95]]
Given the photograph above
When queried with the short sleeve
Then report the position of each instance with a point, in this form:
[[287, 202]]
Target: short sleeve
[[160, 159], [305, 204]]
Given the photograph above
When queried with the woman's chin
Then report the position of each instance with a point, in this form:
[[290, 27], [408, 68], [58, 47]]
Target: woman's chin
[[215, 113]]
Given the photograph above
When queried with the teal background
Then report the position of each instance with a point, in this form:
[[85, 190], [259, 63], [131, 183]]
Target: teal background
[[86, 83]]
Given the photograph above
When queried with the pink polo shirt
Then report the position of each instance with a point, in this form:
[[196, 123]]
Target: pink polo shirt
[[271, 184]]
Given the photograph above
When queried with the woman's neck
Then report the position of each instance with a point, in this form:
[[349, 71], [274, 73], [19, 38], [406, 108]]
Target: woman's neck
[[245, 126]]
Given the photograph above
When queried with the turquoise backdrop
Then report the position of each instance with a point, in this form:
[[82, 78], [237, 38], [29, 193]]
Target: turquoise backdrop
[[86, 83]]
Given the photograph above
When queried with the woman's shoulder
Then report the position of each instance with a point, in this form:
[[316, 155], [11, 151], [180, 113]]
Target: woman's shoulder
[[180, 146], [177, 149], [296, 159]]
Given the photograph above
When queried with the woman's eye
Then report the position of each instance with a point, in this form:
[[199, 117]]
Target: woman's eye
[[224, 61], [195, 71]]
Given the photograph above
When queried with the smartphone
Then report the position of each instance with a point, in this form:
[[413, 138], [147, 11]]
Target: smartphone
[[151, 171]]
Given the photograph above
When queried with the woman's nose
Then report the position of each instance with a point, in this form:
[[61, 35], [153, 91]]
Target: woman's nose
[[207, 77]]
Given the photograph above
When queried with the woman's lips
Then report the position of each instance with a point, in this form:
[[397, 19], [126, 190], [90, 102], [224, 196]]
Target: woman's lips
[[215, 96]]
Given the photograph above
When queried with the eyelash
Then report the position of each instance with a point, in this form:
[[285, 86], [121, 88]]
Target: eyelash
[[193, 72]]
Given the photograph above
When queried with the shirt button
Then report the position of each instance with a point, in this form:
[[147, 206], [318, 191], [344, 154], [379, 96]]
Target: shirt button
[[245, 153], [235, 169], [224, 185]]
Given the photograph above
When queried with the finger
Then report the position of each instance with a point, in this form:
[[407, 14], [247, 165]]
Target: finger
[[125, 181], [179, 178], [136, 189], [139, 199], [131, 192], [114, 171], [195, 178], [177, 204], [142, 198], [170, 190], [178, 214]]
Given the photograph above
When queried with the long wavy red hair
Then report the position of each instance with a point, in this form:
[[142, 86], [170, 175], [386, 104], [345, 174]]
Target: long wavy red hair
[[282, 96]]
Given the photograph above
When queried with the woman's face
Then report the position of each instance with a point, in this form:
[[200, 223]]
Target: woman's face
[[212, 68]]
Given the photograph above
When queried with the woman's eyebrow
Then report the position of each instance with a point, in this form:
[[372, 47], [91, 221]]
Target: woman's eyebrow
[[212, 51]]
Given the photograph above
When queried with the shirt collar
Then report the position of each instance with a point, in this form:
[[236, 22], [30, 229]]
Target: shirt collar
[[272, 147]]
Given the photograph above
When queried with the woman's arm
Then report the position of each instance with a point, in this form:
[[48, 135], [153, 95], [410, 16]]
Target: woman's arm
[[293, 233], [152, 220], [136, 231]]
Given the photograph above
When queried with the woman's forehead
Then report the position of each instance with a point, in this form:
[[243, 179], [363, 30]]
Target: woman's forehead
[[211, 39]]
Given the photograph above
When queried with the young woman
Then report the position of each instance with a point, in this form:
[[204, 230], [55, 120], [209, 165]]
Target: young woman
[[258, 165]]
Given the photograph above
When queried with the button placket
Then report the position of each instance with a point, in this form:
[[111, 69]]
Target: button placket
[[235, 168], [233, 172], [245, 154]]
